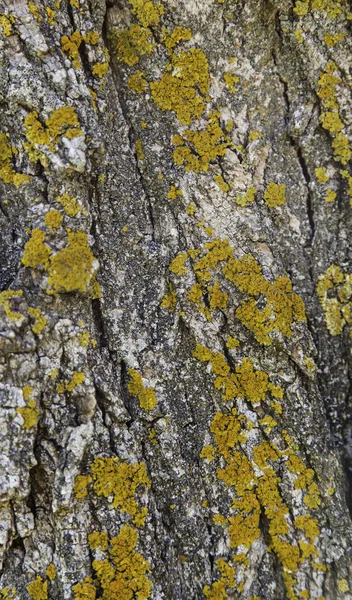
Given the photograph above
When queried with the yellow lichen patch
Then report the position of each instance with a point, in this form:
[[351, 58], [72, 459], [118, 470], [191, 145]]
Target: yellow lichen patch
[[139, 150], [7, 593], [5, 303], [308, 525], [330, 196], [230, 81], [146, 396], [29, 414], [171, 40], [208, 452], [169, 300], [220, 181], [40, 320], [331, 122], [181, 87], [98, 539], [174, 192], [53, 219], [341, 147], [301, 8], [147, 13], [321, 175], [92, 37], [275, 194], [71, 269], [100, 69], [7, 172], [70, 205], [124, 575], [335, 293], [34, 10], [51, 572], [77, 379], [80, 488], [6, 22], [232, 343], [345, 174], [85, 590], [247, 198], [298, 33], [218, 590], [195, 295], [217, 298], [112, 477], [70, 44], [177, 265], [343, 586], [130, 43], [137, 82], [51, 16], [332, 39], [36, 253], [38, 589], [62, 122], [195, 150]]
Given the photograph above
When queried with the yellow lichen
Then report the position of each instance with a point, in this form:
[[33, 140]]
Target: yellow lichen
[[146, 396], [137, 82], [220, 181], [177, 265], [330, 196], [181, 87], [100, 69], [139, 150], [98, 539], [197, 149], [53, 219], [38, 589], [337, 307], [40, 320], [6, 22], [36, 253], [77, 379], [332, 39], [51, 572], [174, 192], [62, 122], [70, 205], [321, 175], [171, 40], [124, 575], [218, 590], [7, 172], [247, 198], [112, 477], [5, 303], [92, 37], [85, 590], [230, 81], [80, 486], [169, 300], [130, 43], [34, 10], [71, 269], [275, 194], [70, 44], [147, 13], [343, 586]]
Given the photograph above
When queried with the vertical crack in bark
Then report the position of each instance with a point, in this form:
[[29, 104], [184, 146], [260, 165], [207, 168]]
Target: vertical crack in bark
[[130, 131]]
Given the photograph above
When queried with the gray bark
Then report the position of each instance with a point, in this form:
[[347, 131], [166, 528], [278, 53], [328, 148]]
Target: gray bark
[[135, 231]]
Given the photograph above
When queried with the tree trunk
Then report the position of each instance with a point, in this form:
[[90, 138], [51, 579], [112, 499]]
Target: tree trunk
[[176, 290]]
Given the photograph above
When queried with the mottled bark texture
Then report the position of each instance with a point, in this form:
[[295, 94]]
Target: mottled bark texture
[[175, 269]]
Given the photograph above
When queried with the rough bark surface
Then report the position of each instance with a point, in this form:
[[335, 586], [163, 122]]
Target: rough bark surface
[[161, 385]]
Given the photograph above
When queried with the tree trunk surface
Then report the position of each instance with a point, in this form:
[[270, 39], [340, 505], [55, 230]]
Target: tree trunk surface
[[175, 305]]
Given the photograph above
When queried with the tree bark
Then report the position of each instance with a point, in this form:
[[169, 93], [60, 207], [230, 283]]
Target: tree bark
[[175, 269]]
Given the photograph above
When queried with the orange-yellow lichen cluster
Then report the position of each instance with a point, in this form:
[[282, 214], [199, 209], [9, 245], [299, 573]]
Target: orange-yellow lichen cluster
[[62, 122], [112, 477], [146, 396], [7, 172], [256, 487], [330, 117], [5, 303], [181, 88], [195, 150], [69, 270], [283, 306], [335, 294], [29, 413], [122, 572]]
